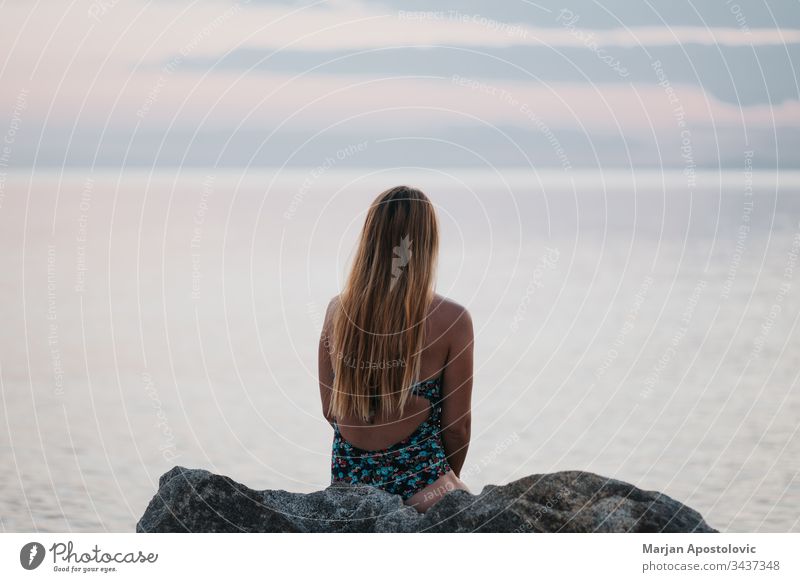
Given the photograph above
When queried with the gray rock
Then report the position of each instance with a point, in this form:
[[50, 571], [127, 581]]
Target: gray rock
[[193, 500]]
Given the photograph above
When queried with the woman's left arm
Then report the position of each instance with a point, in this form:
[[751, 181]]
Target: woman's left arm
[[325, 367]]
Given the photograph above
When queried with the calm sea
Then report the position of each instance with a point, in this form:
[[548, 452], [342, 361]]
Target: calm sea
[[637, 325]]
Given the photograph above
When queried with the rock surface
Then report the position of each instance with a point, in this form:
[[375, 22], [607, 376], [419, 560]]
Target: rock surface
[[193, 500]]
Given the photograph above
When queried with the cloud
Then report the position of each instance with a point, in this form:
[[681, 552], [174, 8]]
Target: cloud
[[740, 75], [604, 14], [165, 70], [474, 147]]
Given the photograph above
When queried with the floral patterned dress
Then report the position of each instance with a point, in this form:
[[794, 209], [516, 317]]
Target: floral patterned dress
[[407, 466]]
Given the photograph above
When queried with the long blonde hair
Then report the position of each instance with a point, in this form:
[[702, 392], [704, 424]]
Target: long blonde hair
[[379, 324]]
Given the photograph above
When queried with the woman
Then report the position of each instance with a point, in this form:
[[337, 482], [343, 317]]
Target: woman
[[395, 360]]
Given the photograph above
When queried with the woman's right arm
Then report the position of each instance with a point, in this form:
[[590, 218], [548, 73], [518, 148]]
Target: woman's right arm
[[457, 392]]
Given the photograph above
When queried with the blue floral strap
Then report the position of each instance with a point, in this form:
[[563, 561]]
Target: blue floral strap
[[430, 389]]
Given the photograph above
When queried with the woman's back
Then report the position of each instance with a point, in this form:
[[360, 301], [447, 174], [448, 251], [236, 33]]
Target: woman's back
[[395, 359], [442, 331]]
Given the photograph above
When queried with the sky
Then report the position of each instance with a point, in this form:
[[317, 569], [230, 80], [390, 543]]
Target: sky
[[385, 83]]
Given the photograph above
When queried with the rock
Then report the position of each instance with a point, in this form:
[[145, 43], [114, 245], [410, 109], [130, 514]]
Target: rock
[[193, 500]]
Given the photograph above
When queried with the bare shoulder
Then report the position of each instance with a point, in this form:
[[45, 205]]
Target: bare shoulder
[[332, 305], [451, 314]]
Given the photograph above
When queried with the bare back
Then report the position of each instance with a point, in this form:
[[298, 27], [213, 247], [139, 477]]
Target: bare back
[[447, 353]]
